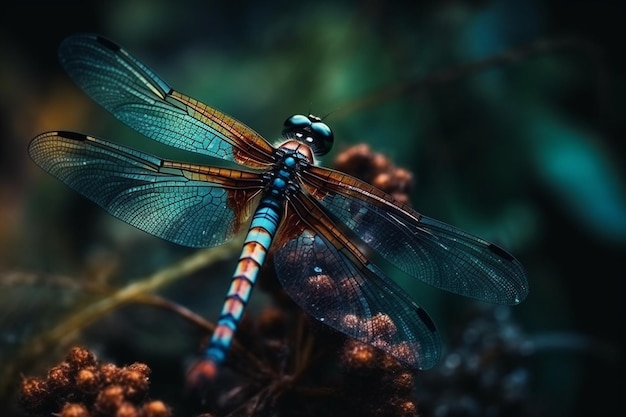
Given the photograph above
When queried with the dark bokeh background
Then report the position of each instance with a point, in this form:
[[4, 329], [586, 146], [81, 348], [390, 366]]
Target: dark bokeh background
[[510, 115]]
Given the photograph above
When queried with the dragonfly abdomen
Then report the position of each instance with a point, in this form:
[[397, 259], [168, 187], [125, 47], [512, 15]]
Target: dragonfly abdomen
[[265, 221], [264, 224]]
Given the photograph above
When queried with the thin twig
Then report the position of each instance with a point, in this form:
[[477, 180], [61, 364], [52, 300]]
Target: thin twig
[[448, 75], [258, 367]]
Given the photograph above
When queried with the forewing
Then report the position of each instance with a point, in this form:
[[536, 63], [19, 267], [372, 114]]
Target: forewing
[[141, 99]]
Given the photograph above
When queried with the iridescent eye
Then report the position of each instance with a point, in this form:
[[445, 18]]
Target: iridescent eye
[[311, 131], [297, 120], [322, 129]]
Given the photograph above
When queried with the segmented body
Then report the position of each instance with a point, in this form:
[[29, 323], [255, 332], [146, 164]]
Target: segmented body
[[265, 222]]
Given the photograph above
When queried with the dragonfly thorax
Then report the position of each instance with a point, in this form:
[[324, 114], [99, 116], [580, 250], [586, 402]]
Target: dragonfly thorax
[[300, 152], [292, 156]]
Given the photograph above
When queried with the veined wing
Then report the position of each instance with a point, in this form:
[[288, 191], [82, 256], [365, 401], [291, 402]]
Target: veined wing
[[432, 251], [332, 281], [141, 99], [191, 205]]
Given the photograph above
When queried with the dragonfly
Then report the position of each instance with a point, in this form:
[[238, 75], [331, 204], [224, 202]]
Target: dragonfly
[[320, 225]]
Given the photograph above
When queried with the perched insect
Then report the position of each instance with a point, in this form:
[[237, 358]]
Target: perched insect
[[314, 220]]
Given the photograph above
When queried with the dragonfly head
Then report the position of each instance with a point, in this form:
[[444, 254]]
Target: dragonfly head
[[311, 131]]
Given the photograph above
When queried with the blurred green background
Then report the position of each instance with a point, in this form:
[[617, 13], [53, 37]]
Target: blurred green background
[[509, 114]]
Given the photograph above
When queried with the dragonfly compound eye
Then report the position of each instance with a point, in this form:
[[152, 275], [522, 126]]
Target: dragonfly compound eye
[[311, 131]]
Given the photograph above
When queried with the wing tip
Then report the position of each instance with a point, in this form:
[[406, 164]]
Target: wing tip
[[90, 37], [107, 43], [35, 145], [80, 137]]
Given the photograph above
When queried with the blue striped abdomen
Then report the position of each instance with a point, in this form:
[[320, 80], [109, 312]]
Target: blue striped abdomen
[[262, 230]]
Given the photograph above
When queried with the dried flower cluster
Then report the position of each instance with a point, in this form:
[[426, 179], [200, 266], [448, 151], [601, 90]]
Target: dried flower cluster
[[82, 387], [326, 373], [376, 382], [375, 169]]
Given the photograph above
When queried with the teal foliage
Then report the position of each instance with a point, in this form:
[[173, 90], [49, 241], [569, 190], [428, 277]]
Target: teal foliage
[[576, 166]]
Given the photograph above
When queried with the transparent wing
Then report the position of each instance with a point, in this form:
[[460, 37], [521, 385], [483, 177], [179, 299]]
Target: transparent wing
[[361, 303], [138, 97], [432, 251], [191, 205], [325, 275]]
